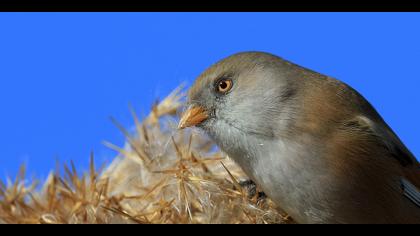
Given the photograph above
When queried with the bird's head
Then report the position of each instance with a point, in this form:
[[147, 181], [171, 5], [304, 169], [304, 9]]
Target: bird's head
[[246, 94]]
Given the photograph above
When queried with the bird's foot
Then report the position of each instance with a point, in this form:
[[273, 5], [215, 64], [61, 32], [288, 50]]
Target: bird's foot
[[252, 190]]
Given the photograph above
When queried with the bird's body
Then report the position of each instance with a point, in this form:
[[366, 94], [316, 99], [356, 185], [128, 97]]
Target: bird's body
[[314, 145]]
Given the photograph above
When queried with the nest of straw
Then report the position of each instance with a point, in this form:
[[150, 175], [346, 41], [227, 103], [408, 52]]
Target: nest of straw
[[161, 176]]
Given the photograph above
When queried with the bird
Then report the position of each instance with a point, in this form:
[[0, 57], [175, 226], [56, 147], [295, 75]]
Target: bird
[[315, 146]]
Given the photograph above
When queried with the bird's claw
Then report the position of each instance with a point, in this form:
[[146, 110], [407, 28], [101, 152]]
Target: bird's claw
[[251, 190]]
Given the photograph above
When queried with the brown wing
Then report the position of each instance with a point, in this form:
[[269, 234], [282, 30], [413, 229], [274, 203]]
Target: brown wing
[[368, 161], [375, 172], [360, 129], [378, 143]]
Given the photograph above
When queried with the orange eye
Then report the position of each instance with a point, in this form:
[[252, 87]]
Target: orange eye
[[224, 85]]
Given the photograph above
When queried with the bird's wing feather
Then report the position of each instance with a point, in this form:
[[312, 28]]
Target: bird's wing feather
[[410, 191], [383, 135], [363, 128]]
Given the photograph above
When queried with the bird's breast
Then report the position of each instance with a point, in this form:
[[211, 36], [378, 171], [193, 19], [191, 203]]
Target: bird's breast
[[288, 173]]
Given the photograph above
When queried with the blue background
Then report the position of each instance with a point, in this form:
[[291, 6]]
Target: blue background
[[63, 74]]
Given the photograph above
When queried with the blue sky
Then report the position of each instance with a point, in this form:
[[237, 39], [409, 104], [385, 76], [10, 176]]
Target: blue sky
[[64, 74]]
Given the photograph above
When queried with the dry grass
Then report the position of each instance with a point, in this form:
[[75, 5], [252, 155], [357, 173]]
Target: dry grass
[[161, 176]]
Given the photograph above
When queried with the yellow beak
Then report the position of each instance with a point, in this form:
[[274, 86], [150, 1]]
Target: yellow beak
[[194, 115]]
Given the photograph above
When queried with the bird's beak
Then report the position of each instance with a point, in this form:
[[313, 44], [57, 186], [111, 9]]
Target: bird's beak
[[194, 115]]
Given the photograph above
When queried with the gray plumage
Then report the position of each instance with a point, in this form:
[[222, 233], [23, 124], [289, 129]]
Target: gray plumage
[[313, 144]]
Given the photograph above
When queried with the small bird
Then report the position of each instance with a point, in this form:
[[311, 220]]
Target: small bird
[[313, 144]]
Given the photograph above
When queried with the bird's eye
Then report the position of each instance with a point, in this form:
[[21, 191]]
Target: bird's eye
[[224, 85]]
